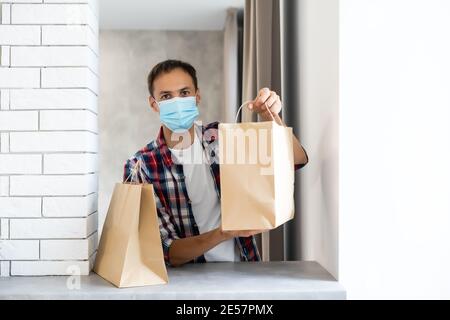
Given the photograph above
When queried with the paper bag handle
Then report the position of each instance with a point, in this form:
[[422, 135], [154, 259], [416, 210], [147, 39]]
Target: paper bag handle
[[137, 169], [247, 102]]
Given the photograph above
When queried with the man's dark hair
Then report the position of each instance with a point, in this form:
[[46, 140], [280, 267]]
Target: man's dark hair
[[167, 66]]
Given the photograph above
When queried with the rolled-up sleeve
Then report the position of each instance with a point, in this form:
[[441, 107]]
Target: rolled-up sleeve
[[127, 170], [301, 165], [166, 229]]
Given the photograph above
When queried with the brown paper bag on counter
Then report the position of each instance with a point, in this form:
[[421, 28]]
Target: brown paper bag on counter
[[130, 252]]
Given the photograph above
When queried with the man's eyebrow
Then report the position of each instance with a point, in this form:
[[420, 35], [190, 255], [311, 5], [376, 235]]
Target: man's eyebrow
[[164, 92]]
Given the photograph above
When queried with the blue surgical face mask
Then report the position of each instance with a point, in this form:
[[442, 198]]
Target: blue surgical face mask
[[179, 113]]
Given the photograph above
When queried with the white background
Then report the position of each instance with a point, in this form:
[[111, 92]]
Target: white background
[[394, 214], [375, 118]]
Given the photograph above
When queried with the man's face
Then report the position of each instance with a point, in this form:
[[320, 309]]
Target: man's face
[[176, 83]]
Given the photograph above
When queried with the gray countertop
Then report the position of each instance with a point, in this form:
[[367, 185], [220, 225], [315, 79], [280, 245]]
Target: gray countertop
[[261, 280]]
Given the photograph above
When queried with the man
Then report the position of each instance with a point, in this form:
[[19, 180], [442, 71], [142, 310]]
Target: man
[[184, 177]]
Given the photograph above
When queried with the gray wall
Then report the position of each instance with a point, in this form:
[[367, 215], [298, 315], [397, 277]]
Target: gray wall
[[126, 122]]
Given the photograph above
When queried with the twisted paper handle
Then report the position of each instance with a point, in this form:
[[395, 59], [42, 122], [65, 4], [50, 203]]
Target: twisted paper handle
[[247, 102], [135, 171]]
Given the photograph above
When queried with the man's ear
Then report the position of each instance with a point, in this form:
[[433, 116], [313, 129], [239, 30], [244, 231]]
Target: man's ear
[[198, 97], [153, 104]]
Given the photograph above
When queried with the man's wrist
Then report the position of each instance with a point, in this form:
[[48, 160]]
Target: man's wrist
[[221, 235], [265, 116]]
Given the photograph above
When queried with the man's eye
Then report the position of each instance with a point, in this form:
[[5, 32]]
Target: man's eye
[[165, 97], [185, 93]]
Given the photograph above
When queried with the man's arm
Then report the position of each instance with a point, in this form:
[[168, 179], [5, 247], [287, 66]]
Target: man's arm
[[300, 156], [268, 104], [185, 249]]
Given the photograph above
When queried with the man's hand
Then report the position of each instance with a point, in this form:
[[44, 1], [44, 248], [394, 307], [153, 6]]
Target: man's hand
[[266, 103], [267, 99]]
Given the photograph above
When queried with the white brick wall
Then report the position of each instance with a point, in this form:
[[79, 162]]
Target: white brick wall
[[80, 77], [5, 54], [4, 228], [6, 13], [4, 186], [52, 99], [19, 249], [49, 268], [4, 142], [21, 207], [5, 268], [53, 141], [18, 120], [20, 35], [55, 56], [45, 14], [68, 120], [19, 78], [4, 99], [20, 164], [52, 185], [70, 35], [69, 206], [68, 249], [52, 228], [70, 163], [48, 136]]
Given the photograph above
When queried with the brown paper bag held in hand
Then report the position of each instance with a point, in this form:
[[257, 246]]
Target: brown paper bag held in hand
[[130, 252], [256, 175]]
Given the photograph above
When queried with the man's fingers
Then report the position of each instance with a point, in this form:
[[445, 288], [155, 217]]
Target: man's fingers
[[263, 95], [263, 91], [271, 100]]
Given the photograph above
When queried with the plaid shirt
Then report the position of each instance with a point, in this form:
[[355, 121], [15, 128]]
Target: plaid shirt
[[176, 219]]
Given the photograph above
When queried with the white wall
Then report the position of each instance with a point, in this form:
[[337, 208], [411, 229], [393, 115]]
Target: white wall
[[319, 131], [394, 213], [48, 136], [375, 85]]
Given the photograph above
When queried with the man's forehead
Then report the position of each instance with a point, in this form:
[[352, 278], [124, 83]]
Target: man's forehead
[[173, 81]]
